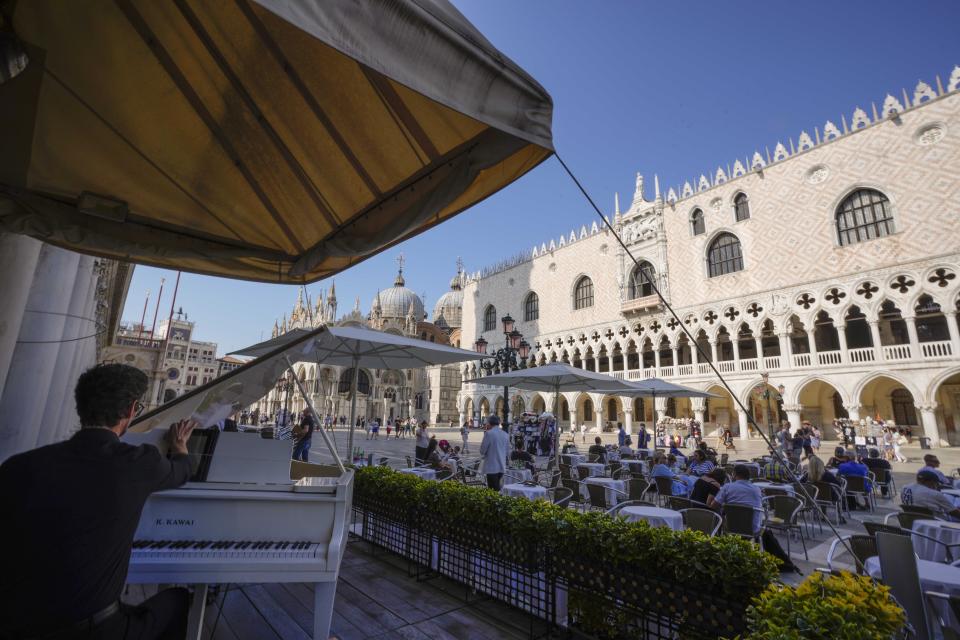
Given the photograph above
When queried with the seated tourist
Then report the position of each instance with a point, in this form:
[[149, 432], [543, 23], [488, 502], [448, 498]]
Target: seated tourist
[[674, 451], [931, 463], [699, 464], [776, 471], [852, 467], [708, 485], [839, 456], [660, 468], [625, 448], [597, 449], [434, 458], [926, 493], [520, 455], [70, 512], [875, 463], [742, 492]]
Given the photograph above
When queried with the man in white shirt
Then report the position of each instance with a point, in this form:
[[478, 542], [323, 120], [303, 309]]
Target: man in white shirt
[[493, 450], [465, 435], [926, 493]]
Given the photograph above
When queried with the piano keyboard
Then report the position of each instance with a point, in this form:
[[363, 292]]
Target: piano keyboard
[[144, 550]]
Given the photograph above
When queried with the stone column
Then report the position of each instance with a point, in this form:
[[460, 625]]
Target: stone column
[[758, 342], [793, 416], [786, 362], [842, 338], [694, 356], [914, 340], [951, 317], [713, 350], [698, 416], [18, 260], [853, 412], [736, 354], [80, 327], [744, 425], [676, 361], [928, 418], [875, 338], [627, 415], [656, 361], [34, 358], [812, 341], [598, 416]]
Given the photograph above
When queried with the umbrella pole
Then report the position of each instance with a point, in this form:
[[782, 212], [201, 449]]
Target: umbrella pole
[[556, 426], [306, 398], [353, 402], [653, 397]]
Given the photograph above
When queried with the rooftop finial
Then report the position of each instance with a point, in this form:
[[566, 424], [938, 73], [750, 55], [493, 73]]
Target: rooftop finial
[[399, 282], [616, 203], [656, 186], [638, 191]]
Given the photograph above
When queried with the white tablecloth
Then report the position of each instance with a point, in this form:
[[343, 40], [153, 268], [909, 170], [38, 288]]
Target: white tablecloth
[[772, 485], [517, 475], [576, 458], [596, 468], [946, 532], [656, 516], [934, 576], [524, 491], [426, 474], [613, 486]]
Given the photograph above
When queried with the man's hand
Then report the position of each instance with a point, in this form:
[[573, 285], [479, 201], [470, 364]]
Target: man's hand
[[179, 434]]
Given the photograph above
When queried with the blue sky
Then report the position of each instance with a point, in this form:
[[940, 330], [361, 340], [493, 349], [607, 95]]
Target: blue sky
[[672, 88]]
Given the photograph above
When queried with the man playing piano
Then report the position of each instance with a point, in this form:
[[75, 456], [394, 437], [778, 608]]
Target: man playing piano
[[70, 512]]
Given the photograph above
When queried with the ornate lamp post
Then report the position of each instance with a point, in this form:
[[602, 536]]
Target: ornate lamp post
[[506, 358], [763, 391], [285, 388]]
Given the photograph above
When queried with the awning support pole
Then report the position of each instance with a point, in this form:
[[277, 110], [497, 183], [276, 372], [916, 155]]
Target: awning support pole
[[306, 398], [354, 383]]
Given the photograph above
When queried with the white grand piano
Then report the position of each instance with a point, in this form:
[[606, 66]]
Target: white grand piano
[[242, 519]]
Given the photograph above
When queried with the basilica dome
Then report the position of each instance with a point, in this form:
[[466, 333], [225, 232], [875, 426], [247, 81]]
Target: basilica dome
[[395, 302], [448, 312]]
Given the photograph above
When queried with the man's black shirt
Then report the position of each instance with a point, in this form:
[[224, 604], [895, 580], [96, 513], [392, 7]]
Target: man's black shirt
[[70, 511]]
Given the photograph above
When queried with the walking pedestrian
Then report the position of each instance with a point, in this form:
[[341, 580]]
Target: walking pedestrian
[[465, 435], [423, 441], [493, 451]]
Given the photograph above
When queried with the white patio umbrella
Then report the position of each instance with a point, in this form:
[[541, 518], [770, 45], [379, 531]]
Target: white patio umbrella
[[556, 377], [657, 388], [355, 347]]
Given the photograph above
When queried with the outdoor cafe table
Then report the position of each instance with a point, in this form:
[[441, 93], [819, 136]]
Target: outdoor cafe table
[[934, 576], [656, 516], [946, 532], [575, 458], [595, 468], [423, 472], [518, 475], [519, 490], [612, 488], [773, 485]]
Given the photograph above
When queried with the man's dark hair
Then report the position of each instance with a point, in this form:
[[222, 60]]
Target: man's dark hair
[[105, 392], [741, 472], [873, 453], [493, 421], [596, 440]]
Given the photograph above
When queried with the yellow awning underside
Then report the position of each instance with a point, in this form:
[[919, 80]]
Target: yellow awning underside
[[267, 140]]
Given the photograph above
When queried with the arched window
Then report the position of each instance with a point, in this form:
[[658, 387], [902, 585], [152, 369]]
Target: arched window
[[641, 280], [346, 379], [490, 318], [724, 255], [587, 410], [741, 207], [863, 215], [696, 222], [531, 307], [583, 293]]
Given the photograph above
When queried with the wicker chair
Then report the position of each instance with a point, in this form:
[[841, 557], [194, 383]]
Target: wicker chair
[[613, 468], [678, 503], [784, 515], [574, 487], [566, 471], [873, 528], [830, 496], [561, 496], [912, 508], [444, 474], [883, 479], [664, 489], [862, 546], [583, 473], [703, 520], [598, 496], [637, 488], [738, 521], [857, 486]]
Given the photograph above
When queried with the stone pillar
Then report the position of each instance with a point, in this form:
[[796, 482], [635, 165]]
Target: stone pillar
[[713, 350], [698, 416], [736, 354], [80, 327], [35, 356], [744, 425], [758, 342], [676, 360], [914, 340], [656, 361], [694, 356], [785, 362], [875, 338], [951, 317], [812, 341], [18, 260], [842, 338], [928, 418], [793, 416], [598, 416], [853, 412], [627, 415]]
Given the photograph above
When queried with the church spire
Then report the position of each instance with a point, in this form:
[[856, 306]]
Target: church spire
[[399, 282], [332, 296]]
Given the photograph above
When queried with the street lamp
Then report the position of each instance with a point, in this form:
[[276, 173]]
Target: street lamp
[[505, 359], [763, 391]]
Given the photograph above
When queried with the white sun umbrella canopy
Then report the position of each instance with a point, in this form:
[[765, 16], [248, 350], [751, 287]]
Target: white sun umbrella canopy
[[657, 388], [356, 347], [556, 377]]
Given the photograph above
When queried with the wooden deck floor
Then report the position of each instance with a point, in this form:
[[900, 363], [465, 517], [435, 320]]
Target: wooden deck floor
[[375, 599]]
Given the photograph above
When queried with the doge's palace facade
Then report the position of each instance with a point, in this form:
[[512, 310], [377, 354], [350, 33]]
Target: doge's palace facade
[[830, 265]]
